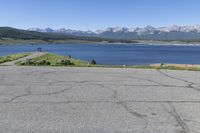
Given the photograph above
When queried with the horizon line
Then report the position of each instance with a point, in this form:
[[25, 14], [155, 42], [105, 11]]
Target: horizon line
[[129, 27]]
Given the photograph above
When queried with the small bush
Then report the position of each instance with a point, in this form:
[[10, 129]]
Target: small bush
[[48, 63], [93, 62], [29, 62], [35, 63], [67, 62], [64, 62], [21, 63], [41, 62]]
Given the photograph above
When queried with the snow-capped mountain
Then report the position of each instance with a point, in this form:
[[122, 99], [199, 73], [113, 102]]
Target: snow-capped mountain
[[63, 31], [174, 32]]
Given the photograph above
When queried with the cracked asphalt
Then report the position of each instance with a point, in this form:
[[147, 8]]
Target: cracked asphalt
[[98, 100]]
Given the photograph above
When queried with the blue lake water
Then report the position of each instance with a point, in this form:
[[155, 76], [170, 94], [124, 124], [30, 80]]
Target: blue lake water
[[116, 54]]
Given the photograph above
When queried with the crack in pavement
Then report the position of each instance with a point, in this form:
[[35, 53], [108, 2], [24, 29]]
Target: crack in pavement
[[31, 72], [30, 94], [149, 80], [110, 89], [169, 76], [48, 72], [91, 81], [102, 98], [123, 104], [189, 83], [154, 86], [29, 91], [2, 77], [107, 101], [116, 101], [19, 96], [54, 93], [134, 113], [193, 121], [172, 111], [155, 83], [131, 85]]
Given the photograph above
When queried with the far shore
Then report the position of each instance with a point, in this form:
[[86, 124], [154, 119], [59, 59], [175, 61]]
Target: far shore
[[176, 43], [138, 42]]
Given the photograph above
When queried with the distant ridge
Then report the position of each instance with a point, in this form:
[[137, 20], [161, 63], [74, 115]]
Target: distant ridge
[[49, 37], [146, 33]]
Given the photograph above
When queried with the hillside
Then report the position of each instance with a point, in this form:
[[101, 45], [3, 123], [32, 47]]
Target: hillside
[[10, 35]]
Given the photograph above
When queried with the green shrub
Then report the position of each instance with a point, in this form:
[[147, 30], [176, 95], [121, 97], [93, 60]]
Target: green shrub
[[35, 63], [64, 62], [93, 62], [41, 62], [30, 62], [48, 63]]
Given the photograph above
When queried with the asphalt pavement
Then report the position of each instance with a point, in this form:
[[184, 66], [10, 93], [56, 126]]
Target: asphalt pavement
[[98, 100]]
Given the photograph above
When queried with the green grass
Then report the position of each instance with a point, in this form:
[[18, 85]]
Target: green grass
[[152, 67], [13, 57], [180, 68], [50, 59]]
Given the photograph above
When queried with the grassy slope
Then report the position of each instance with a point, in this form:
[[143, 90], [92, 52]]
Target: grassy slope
[[13, 57], [177, 68], [53, 60]]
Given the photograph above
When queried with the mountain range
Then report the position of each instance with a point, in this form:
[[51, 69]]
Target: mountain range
[[169, 33], [9, 35]]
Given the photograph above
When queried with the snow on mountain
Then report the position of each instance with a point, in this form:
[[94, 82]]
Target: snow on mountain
[[148, 30], [35, 29], [48, 30], [63, 31], [176, 28]]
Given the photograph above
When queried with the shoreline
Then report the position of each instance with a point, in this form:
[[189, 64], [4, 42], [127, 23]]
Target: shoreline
[[165, 43], [149, 43], [21, 59]]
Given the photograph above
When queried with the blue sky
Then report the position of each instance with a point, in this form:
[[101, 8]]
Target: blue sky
[[98, 14]]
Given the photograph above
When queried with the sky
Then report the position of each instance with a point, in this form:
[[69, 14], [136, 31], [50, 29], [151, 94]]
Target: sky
[[98, 14]]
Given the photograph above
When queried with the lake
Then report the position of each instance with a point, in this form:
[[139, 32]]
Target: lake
[[116, 54]]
